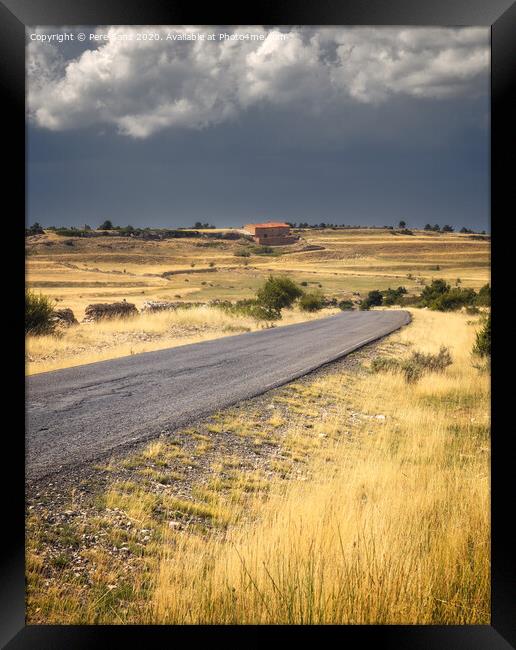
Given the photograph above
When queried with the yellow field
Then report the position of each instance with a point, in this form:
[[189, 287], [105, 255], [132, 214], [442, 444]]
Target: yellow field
[[111, 268], [392, 527], [78, 271], [348, 497]]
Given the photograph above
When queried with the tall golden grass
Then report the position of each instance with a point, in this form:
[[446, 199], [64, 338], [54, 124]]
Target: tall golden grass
[[391, 527], [387, 522]]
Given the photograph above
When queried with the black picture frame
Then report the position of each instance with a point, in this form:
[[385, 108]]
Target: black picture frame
[[500, 15]]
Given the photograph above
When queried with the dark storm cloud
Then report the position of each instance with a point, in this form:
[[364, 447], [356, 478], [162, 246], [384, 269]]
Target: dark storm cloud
[[290, 134]]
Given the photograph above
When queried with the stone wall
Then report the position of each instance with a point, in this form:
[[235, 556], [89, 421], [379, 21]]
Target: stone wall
[[64, 317], [99, 311], [163, 305]]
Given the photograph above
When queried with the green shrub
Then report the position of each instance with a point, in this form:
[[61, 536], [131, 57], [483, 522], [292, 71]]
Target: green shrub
[[278, 292], [415, 366], [345, 305], [243, 253], [385, 364], [440, 296], [433, 291], [35, 229], [407, 301], [453, 299], [433, 362], [484, 296], [482, 346], [38, 314], [248, 307], [374, 299], [393, 296], [72, 232], [311, 301], [263, 312]]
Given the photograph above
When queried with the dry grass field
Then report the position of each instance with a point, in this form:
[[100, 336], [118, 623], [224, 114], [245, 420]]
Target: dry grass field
[[346, 497], [78, 271]]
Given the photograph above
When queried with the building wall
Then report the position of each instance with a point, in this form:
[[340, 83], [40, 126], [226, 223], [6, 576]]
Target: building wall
[[271, 235]]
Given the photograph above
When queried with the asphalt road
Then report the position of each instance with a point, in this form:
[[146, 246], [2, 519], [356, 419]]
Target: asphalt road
[[80, 414]]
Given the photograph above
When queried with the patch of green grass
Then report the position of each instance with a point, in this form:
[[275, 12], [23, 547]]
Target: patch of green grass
[[473, 430], [131, 462], [137, 503], [67, 535], [163, 477], [215, 428], [60, 561], [455, 399]]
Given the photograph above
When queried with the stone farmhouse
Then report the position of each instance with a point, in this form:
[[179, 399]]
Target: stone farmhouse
[[272, 233]]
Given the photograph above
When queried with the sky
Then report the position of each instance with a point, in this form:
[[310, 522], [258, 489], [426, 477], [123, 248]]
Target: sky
[[166, 126]]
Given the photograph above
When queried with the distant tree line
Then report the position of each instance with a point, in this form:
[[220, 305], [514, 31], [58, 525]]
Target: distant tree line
[[447, 228], [108, 226], [335, 226], [203, 226], [437, 228], [108, 229], [35, 229], [402, 225]]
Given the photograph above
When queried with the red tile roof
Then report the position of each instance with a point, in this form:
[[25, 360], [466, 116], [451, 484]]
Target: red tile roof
[[270, 224]]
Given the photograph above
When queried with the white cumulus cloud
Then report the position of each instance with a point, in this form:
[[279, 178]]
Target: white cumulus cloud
[[143, 87]]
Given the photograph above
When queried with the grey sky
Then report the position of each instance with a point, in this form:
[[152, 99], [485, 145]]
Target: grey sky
[[343, 125]]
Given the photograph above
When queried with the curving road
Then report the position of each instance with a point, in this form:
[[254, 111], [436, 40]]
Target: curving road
[[79, 414]]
